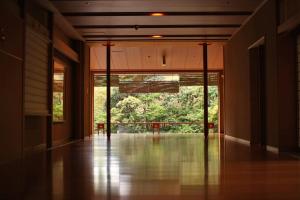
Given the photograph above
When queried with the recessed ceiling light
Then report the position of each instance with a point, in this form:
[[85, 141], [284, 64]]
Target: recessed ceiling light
[[156, 36], [157, 14]]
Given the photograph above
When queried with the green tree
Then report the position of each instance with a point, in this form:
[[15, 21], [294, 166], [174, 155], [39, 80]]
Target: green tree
[[184, 106]]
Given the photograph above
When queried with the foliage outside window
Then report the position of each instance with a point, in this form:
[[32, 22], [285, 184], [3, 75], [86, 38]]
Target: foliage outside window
[[185, 106], [58, 96]]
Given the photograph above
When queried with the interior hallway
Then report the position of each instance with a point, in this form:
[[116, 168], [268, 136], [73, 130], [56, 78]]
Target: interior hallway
[[147, 167], [51, 51]]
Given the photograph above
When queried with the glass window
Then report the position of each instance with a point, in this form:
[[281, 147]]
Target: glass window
[[58, 95]]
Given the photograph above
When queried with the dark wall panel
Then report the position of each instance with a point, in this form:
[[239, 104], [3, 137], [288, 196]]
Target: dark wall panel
[[11, 108], [237, 75], [35, 133], [287, 74], [11, 77], [87, 94]]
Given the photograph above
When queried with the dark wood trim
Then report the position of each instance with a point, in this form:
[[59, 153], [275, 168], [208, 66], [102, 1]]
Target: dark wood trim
[[147, 36], [92, 84], [57, 143], [87, 91], [207, 13], [65, 143], [49, 131], [289, 25], [224, 91], [65, 49], [23, 6], [205, 87], [162, 39], [35, 149], [78, 92], [157, 26], [108, 114], [221, 102], [258, 136], [160, 71], [296, 35]]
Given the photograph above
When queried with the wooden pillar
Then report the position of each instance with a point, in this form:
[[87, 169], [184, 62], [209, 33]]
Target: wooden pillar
[[49, 131], [85, 53], [81, 88], [108, 114], [221, 102], [205, 85], [92, 88]]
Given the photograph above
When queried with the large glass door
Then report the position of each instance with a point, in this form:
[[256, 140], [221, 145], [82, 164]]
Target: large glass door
[[174, 101]]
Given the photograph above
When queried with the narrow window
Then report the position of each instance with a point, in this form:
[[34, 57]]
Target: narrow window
[[58, 93]]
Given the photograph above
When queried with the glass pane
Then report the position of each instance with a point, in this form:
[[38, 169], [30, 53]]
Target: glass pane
[[138, 101], [58, 96], [213, 101]]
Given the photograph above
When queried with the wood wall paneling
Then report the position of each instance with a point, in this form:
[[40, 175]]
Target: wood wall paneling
[[11, 31], [65, 49], [11, 108], [11, 78], [298, 90], [87, 92], [287, 73], [237, 83]]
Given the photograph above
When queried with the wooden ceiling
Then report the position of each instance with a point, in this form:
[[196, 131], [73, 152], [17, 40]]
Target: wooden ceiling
[[148, 56], [205, 20]]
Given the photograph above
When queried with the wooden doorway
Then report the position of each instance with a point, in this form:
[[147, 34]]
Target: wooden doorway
[[257, 92]]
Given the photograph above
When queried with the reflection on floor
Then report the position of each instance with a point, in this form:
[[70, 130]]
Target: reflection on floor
[[153, 167]]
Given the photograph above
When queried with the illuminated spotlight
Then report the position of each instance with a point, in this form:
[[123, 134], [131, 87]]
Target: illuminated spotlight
[[156, 36], [157, 14]]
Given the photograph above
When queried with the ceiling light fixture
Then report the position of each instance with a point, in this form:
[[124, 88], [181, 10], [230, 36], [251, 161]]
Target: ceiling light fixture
[[156, 36], [157, 14]]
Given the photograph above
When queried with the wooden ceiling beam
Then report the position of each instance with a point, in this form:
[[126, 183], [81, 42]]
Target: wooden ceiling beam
[[96, 41], [158, 26], [147, 36], [208, 13]]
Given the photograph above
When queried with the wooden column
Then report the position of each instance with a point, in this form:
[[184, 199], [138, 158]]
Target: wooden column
[[205, 85], [92, 88], [221, 102], [108, 126], [49, 139]]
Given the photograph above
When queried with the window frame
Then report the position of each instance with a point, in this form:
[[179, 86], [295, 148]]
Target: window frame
[[64, 72]]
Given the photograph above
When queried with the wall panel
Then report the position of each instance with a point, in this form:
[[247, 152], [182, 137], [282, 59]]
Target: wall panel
[[237, 75]]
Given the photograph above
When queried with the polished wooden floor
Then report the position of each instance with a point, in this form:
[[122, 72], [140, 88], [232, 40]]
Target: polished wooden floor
[[146, 167]]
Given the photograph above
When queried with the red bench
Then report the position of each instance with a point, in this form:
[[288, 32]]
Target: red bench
[[156, 126], [101, 126]]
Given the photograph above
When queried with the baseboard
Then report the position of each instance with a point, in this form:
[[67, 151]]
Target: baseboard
[[36, 148], [239, 140], [272, 149], [246, 142], [62, 143]]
